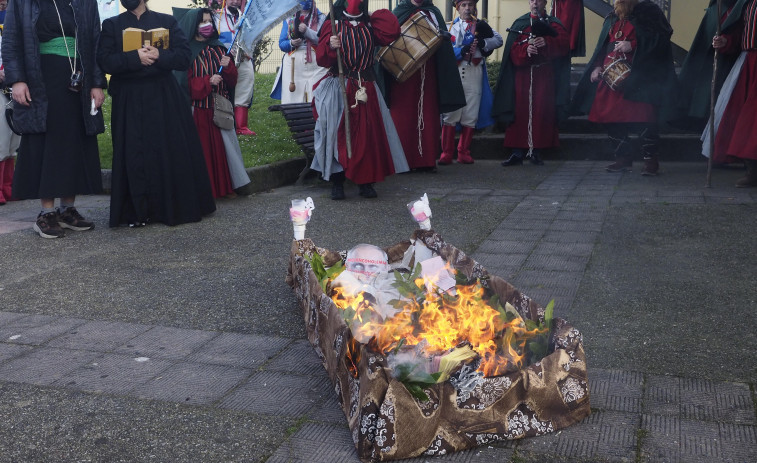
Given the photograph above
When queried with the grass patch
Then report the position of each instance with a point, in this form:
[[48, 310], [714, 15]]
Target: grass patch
[[272, 143]]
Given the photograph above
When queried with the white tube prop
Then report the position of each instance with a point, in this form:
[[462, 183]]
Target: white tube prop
[[300, 213], [421, 212]]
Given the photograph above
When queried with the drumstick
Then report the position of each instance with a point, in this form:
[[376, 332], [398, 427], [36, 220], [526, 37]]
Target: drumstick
[[292, 86], [341, 84]]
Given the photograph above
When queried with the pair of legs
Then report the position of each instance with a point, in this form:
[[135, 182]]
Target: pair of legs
[[516, 157], [463, 146], [649, 136], [337, 188]]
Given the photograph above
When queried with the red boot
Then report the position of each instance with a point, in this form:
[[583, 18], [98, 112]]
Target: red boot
[[240, 120], [463, 147], [448, 145]]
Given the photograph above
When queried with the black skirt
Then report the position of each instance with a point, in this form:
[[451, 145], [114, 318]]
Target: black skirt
[[63, 161]]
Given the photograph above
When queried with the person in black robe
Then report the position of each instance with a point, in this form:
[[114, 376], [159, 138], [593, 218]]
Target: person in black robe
[[159, 172]]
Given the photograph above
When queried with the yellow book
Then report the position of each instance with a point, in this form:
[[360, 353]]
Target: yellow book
[[135, 38]]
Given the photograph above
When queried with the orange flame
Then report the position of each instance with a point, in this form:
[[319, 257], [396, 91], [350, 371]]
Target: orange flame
[[444, 321]]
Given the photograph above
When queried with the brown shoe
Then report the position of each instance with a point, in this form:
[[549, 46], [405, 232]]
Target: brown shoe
[[651, 166], [47, 226], [621, 164]]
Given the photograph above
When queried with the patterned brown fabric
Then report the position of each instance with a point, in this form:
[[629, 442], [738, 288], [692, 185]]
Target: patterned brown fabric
[[388, 423]]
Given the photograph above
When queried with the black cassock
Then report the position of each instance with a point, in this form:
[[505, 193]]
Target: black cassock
[[159, 172]]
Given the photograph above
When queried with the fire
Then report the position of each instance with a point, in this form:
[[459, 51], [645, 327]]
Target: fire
[[444, 320]]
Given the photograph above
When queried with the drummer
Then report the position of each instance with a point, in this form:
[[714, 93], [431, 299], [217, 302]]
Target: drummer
[[417, 103], [533, 88], [473, 40], [635, 34]]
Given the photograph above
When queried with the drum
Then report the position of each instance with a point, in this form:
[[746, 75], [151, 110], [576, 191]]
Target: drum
[[616, 73], [419, 40]]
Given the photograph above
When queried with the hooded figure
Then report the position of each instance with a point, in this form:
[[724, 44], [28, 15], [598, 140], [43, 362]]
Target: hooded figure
[[223, 155]]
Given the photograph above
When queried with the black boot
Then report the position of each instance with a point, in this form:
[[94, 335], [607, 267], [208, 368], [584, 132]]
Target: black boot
[[367, 191], [337, 186], [536, 159], [750, 179], [515, 159], [650, 140], [623, 161]]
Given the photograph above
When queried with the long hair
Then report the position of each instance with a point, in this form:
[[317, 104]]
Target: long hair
[[624, 9]]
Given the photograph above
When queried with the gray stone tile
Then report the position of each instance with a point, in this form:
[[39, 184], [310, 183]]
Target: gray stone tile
[[662, 395], [558, 263], [511, 246], [700, 440], [492, 260], [317, 443], [581, 249], [276, 393], [16, 325], [241, 350], [698, 199], [548, 279], [574, 225], [328, 411], [113, 373], [527, 226], [193, 383], [572, 237], [166, 342], [7, 318], [739, 442], [698, 399], [734, 403], [101, 336], [43, 366], [9, 351], [662, 438], [616, 390], [299, 358], [37, 335]]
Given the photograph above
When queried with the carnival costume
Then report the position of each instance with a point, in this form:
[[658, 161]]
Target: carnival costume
[[227, 21], [533, 91], [475, 81], [648, 92], [376, 150], [299, 71]]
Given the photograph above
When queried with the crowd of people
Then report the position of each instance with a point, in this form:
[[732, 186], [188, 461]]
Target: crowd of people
[[173, 154]]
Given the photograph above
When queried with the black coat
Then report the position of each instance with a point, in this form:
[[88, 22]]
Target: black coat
[[22, 62]]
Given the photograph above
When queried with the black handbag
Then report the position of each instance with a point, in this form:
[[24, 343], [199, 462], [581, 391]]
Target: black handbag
[[9, 116], [223, 112]]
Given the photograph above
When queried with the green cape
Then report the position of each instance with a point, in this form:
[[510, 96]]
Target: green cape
[[695, 78], [504, 96], [450, 87], [652, 79]]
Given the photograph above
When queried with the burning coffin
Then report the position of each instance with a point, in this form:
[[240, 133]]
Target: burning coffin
[[424, 370]]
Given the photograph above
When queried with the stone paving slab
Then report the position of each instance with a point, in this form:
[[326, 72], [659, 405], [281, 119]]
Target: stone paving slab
[[280, 394], [166, 343], [37, 333], [44, 366], [103, 336], [193, 383], [239, 350], [113, 374]]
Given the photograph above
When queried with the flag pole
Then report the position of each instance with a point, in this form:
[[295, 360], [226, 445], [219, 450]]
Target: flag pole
[[341, 84], [708, 183]]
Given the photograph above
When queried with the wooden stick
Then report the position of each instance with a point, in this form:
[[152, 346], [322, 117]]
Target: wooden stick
[[708, 183], [342, 85]]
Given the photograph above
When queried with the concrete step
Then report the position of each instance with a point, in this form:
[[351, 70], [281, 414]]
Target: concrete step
[[592, 147]]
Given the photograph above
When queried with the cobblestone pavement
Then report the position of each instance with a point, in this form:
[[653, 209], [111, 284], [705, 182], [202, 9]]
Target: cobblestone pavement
[[560, 233]]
